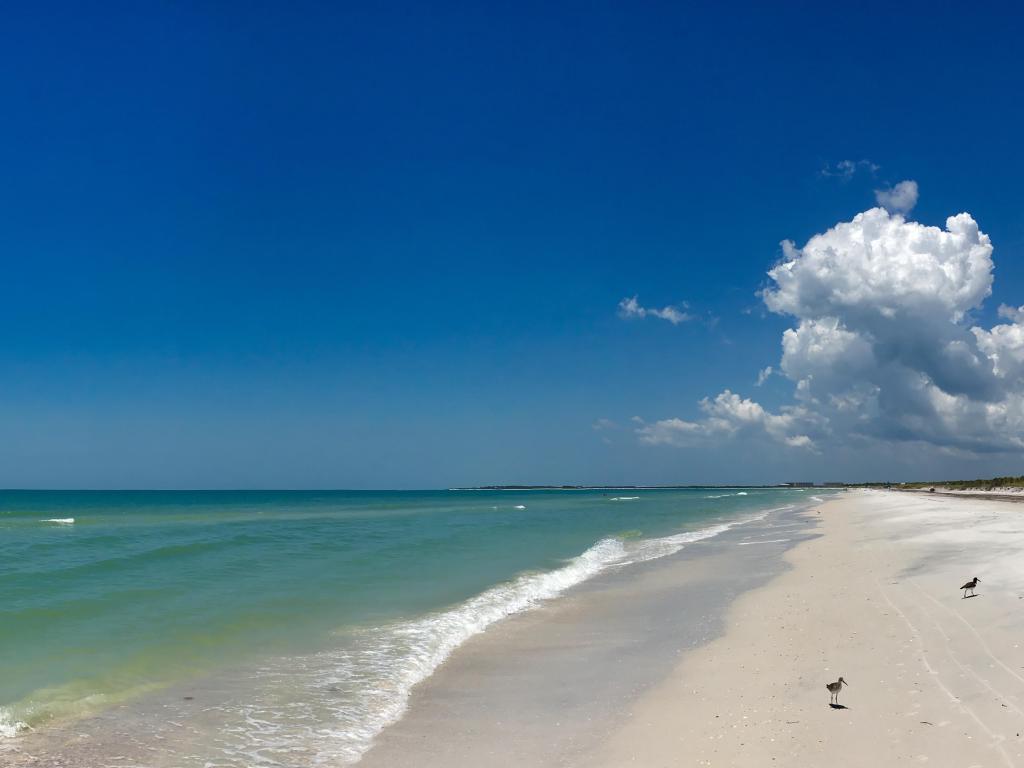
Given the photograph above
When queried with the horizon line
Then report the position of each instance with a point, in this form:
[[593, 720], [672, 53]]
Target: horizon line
[[510, 487]]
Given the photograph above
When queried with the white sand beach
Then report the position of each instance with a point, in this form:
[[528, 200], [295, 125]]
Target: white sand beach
[[934, 678]]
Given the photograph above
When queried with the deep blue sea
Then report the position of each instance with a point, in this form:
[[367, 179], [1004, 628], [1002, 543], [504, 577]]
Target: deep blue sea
[[330, 606]]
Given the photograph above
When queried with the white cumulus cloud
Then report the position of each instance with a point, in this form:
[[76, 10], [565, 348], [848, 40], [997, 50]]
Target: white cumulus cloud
[[898, 199], [727, 415], [883, 346], [630, 307]]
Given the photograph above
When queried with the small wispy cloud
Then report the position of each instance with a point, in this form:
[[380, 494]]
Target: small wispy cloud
[[763, 374], [630, 308], [898, 199], [602, 424], [845, 170]]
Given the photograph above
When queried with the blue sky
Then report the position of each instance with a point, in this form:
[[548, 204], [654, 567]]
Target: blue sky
[[341, 245]]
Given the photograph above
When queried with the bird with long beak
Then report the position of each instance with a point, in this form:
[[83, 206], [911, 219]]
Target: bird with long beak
[[834, 689], [970, 585]]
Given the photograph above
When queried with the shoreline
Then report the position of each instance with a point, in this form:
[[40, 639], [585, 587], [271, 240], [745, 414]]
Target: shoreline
[[177, 725], [544, 687]]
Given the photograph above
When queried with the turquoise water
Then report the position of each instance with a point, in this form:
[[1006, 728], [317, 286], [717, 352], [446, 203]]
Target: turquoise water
[[330, 605]]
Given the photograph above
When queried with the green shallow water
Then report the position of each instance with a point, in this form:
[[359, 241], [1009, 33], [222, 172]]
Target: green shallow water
[[146, 589]]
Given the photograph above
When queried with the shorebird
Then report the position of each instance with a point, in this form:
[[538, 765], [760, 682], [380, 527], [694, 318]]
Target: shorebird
[[834, 688], [970, 585]]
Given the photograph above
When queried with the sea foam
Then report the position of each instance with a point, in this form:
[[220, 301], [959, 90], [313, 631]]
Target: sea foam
[[9, 726]]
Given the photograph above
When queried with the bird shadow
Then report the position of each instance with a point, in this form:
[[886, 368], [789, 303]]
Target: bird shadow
[[968, 597], [838, 706]]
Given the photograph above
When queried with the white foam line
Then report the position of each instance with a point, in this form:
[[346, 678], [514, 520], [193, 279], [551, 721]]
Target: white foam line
[[763, 541], [424, 644], [61, 520], [391, 660], [9, 727]]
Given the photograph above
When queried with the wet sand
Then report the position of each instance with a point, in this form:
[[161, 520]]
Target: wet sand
[[544, 688]]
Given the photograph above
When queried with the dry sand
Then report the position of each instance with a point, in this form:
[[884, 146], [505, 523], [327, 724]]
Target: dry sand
[[934, 678]]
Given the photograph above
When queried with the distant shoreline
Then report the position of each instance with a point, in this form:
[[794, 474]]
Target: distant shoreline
[[781, 486]]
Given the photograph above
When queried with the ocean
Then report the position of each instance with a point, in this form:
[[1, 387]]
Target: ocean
[[300, 620]]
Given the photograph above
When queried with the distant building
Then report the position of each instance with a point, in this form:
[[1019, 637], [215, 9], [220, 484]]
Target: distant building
[[799, 485]]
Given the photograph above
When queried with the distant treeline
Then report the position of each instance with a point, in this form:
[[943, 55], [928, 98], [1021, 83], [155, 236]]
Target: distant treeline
[[988, 485]]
